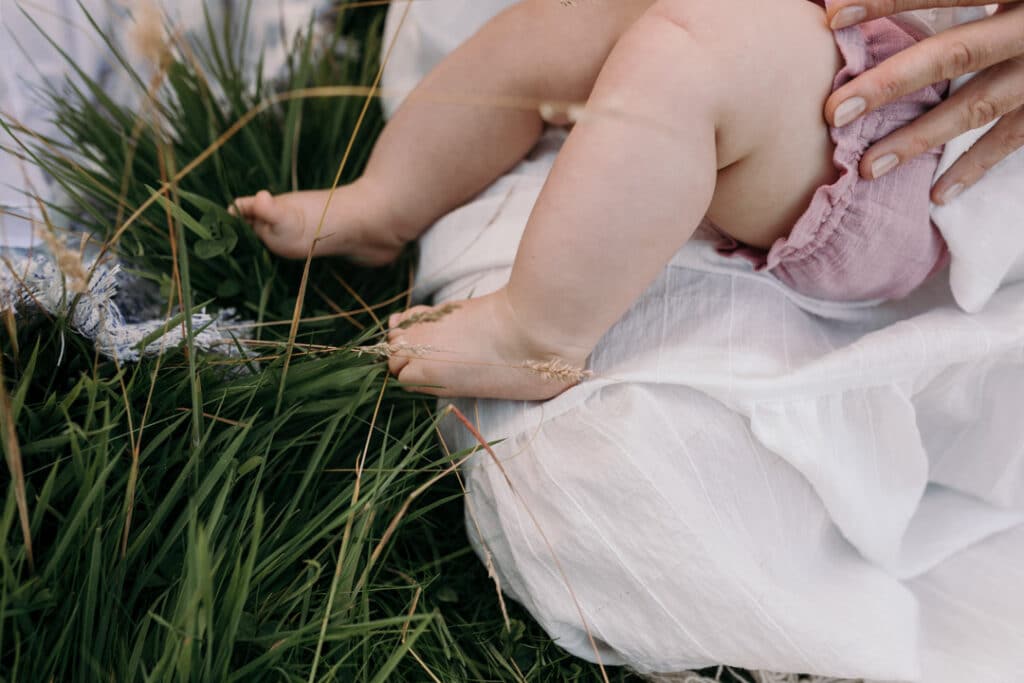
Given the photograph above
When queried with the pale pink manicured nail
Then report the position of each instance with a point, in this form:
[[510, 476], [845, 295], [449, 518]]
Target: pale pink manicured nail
[[393, 319], [848, 16], [952, 193], [883, 165], [850, 110]]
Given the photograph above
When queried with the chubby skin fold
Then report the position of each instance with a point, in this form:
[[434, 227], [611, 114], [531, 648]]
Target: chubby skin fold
[[683, 119]]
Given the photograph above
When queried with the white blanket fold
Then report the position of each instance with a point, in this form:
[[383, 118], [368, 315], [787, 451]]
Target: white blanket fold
[[751, 477]]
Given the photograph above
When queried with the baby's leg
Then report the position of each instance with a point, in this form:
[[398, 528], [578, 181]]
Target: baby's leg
[[474, 117], [689, 99]]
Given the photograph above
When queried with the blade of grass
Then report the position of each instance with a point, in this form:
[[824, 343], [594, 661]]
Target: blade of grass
[[12, 453]]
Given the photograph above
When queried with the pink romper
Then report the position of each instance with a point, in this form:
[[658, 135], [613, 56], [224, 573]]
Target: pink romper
[[861, 239]]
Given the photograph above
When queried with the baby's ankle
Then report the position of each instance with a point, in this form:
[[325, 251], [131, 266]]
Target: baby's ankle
[[385, 210], [549, 341]]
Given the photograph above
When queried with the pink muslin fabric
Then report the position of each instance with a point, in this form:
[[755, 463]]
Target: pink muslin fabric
[[859, 239]]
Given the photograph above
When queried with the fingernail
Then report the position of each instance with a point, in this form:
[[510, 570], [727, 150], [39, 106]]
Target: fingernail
[[883, 165], [850, 110], [952, 193], [848, 16]]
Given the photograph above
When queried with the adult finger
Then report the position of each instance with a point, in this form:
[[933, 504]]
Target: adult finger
[[845, 13], [964, 49], [993, 93], [1005, 138]]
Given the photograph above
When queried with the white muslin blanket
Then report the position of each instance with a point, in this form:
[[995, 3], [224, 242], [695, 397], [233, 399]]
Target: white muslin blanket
[[753, 478]]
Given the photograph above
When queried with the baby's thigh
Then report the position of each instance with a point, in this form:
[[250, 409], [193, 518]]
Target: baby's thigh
[[554, 50], [775, 61]]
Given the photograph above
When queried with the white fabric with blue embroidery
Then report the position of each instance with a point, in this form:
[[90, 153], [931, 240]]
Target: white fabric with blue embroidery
[[30, 282], [33, 285]]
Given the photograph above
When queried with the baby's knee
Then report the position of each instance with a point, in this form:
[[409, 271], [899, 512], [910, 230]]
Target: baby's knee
[[700, 19], [557, 51], [752, 52], [744, 35], [709, 34], [660, 67]]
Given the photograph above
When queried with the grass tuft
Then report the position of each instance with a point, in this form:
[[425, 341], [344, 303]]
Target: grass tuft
[[288, 517]]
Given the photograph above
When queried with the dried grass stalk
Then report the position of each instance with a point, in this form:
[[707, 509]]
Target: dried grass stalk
[[69, 262], [431, 316], [148, 37], [557, 370], [12, 449], [561, 113], [386, 350]]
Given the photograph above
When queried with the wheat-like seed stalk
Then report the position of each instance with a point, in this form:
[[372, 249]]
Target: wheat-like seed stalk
[[431, 316], [69, 262], [148, 37], [561, 113], [386, 350], [557, 370]]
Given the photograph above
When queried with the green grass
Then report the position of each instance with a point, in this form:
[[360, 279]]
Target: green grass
[[197, 519]]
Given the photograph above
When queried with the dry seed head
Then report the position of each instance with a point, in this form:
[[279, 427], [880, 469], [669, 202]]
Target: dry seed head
[[386, 350], [431, 316], [561, 113], [148, 36], [549, 111], [69, 263], [557, 370]]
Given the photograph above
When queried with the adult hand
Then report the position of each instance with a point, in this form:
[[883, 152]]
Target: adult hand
[[993, 46]]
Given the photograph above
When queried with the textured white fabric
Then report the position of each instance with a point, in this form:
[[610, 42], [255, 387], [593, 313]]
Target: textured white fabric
[[779, 470], [987, 258], [751, 478], [30, 285]]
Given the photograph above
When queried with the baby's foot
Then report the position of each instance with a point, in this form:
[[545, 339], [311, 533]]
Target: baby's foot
[[358, 224], [477, 348]]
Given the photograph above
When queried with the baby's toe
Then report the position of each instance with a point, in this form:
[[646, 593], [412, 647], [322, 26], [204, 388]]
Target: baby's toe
[[242, 206], [258, 208], [397, 359], [415, 376], [395, 331], [263, 204], [396, 364]]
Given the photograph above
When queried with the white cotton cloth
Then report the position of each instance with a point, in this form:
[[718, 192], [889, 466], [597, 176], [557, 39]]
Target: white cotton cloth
[[753, 478], [984, 259]]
